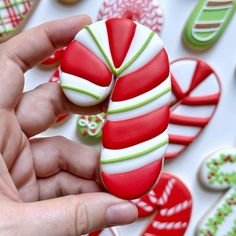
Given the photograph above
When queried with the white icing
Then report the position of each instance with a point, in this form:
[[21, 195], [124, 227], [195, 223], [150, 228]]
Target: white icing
[[100, 31], [194, 111], [174, 148], [175, 129], [132, 164], [80, 83], [169, 225], [183, 72], [152, 49], [208, 87], [226, 168], [176, 209]]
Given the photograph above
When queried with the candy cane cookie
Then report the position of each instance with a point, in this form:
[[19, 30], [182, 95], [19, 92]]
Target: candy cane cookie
[[196, 91], [146, 12], [90, 126], [56, 79], [128, 61], [172, 203], [14, 15], [218, 172], [207, 23]]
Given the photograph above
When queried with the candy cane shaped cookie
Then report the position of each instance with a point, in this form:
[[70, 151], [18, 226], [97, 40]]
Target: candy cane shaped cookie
[[172, 203], [128, 59], [195, 94], [90, 126], [146, 12], [14, 15], [207, 23], [218, 172], [56, 79]]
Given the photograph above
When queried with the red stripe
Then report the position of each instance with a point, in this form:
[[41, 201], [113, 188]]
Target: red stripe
[[126, 133], [120, 35], [176, 89], [133, 184], [79, 61], [202, 100], [144, 79], [186, 120], [179, 139]]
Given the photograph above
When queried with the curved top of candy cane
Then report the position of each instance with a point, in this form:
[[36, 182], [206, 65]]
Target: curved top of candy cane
[[218, 171]]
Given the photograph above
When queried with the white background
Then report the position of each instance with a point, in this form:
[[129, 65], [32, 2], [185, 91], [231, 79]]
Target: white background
[[221, 130]]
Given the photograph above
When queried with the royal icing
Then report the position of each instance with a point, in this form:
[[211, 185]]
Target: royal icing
[[135, 136], [146, 12], [13, 15], [218, 172], [113, 231], [54, 60], [91, 125], [172, 203], [207, 22], [56, 79], [195, 94]]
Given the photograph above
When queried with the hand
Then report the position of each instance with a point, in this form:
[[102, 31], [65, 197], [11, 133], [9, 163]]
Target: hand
[[35, 169]]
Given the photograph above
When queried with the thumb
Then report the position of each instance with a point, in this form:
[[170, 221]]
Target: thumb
[[77, 215]]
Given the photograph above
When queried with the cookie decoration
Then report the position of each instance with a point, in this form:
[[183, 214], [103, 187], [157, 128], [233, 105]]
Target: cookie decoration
[[135, 135], [90, 126], [196, 91], [56, 79], [146, 12], [218, 172], [171, 203], [113, 232], [54, 60], [13, 16], [68, 1], [207, 23], [219, 169]]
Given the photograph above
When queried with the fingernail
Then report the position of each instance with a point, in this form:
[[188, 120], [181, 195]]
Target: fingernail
[[120, 214]]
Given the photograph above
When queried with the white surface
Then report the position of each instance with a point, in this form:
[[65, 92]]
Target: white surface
[[222, 129]]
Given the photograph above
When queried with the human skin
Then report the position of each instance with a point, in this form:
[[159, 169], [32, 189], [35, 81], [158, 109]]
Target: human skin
[[48, 186]]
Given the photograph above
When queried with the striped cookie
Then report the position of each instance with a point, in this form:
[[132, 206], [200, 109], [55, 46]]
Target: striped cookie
[[195, 94], [208, 22], [128, 59], [13, 16]]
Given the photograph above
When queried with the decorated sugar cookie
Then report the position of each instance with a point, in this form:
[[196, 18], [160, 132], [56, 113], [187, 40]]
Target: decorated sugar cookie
[[219, 169], [172, 203], [135, 136], [13, 16], [146, 12], [54, 60], [69, 1], [113, 232], [56, 79], [195, 94], [218, 172], [91, 125], [207, 23]]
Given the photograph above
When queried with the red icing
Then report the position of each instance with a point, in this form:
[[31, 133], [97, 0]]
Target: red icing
[[120, 34], [79, 61], [142, 80], [168, 193], [54, 59], [201, 73], [95, 233], [126, 133], [133, 184]]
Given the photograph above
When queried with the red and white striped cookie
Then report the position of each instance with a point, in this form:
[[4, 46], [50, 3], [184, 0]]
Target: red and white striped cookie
[[56, 79], [128, 59], [54, 60], [112, 231], [196, 91], [146, 12], [172, 203]]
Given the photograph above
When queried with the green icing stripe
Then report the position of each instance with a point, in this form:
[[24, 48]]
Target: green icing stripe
[[65, 86], [15, 3], [135, 155], [130, 62], [141, 103]]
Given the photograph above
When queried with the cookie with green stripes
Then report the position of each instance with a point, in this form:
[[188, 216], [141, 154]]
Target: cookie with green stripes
[[13, 16], [207, 23]]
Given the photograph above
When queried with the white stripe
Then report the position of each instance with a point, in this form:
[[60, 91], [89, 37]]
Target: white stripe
[[205, 30], [184, 130], [157, 103], [80, 83], [133, 164]]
